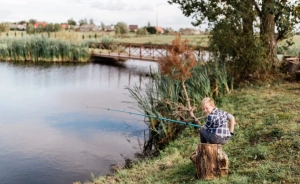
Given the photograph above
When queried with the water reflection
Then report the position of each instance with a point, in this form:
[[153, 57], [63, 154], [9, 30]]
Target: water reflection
[[47, 133]]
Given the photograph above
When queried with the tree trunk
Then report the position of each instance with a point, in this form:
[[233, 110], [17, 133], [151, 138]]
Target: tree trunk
[[210, 161], [267, 32], [188, 103]]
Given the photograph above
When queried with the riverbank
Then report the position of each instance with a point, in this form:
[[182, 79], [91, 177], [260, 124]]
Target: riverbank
[[266, 147]]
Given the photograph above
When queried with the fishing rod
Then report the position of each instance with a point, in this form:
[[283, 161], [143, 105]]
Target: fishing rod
[[149, 116]]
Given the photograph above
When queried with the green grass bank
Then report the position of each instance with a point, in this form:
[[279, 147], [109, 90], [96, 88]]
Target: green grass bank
[[266, 148]]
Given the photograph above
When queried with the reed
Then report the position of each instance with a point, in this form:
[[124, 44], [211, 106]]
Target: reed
[[164, 97], [40, 48]]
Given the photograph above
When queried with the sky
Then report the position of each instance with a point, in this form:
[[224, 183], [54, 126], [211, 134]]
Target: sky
[[132, 12]]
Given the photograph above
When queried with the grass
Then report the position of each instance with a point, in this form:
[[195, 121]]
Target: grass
[[39, 48], [265, 150], [165, 39], [130, 38]]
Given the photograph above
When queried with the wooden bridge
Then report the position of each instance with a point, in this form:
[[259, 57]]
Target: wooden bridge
[[149, 52]]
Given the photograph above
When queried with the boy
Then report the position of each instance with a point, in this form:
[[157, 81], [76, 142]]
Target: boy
[[215, 130]]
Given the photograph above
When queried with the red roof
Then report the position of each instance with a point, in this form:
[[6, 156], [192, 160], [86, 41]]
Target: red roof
[[133, 27], [64, 26], [40, 23], [159, 29]]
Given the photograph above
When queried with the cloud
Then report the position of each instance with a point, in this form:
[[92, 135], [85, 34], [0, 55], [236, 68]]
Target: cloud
[[118, 5], [110, 5]]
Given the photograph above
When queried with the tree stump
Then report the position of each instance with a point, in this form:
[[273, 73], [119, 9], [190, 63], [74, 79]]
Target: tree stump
[[210, 161], [297, 75]]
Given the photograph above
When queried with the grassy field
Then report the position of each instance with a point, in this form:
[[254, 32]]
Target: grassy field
[[166, 39], [266, 148], [130, 38]]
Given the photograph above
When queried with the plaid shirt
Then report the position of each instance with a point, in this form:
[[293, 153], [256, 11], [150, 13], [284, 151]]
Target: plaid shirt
[[216, 122]]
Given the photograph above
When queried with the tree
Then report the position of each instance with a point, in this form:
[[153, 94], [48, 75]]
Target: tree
[[56, 27], [49, 27], [142, 32], [102, 26], [117, 30], [72, 22], [82, 21], [151, 30], [123, 28], [22, 22], [32, 21], [268, 15], [178, 63], [91, 21], [4, 27], [30, 29]]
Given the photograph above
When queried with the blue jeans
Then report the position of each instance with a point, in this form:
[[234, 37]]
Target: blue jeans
[[212, 138]]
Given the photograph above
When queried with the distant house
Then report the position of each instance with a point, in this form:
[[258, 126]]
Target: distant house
[[37, 24], [133, 28], [65, 26], [159, 29], [110, 28], [169, 31], [88, 27], [17, 26], [22, 26], [13, 26], [189, 31], [76, 28]]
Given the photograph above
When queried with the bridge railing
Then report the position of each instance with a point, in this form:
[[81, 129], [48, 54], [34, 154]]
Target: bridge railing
[[139, 51]]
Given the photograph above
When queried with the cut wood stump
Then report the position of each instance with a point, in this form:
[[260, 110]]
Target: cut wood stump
[[210, 161], [297, 75]]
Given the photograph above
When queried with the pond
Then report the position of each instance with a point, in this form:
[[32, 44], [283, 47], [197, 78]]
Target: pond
[[49, 132]]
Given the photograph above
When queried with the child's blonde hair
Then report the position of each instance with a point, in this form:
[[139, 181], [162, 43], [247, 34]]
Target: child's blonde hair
[[209, 101]]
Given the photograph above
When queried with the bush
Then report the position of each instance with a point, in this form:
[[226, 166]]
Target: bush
[[151, 30], [142, 32]]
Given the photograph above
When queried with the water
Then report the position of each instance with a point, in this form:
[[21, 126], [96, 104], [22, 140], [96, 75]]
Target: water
[[47, 133]]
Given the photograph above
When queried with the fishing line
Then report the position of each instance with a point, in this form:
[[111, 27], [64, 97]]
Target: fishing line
[[149, 116]]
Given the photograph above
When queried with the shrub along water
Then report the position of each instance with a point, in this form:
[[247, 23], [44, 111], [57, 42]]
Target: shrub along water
[[177, 90], [163, 97], [40, 48]]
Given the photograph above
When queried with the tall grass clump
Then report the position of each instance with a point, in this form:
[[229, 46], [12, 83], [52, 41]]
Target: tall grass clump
[[176, 97], [40, 48]]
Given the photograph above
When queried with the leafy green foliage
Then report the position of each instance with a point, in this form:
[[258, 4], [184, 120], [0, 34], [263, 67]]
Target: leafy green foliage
[[122, 28], [142, 32], [71, 22], [151, 29], [231, 45], [4, 27], [236, 25]]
